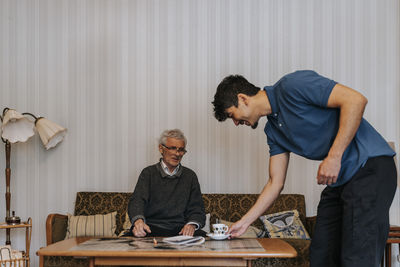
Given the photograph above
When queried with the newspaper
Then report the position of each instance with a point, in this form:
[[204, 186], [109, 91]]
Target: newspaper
[[184, 240]]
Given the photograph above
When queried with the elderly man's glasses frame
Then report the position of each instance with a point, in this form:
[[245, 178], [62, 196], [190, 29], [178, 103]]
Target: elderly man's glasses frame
[[174, 149]]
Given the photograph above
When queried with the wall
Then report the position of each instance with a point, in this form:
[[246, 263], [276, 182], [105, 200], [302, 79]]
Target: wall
[[117, 73]]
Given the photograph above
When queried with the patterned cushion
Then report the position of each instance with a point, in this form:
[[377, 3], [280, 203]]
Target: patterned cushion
[[284, 224], [91, 225]]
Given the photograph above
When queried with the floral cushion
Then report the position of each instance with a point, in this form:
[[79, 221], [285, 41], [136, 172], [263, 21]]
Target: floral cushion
[[284, 224]]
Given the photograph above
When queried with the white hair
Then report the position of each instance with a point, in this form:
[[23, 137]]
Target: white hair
[[175, 133]]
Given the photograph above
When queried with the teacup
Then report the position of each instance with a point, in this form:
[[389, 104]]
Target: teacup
[[220, 228]]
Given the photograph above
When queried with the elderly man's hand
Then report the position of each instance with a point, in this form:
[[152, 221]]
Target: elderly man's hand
[[140, 229], [188, 229]]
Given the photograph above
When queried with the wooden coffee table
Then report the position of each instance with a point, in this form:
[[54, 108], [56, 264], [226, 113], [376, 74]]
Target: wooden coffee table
[[269, 248]]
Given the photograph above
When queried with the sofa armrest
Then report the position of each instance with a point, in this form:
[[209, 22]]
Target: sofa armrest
[[56, 227], [310, 225]]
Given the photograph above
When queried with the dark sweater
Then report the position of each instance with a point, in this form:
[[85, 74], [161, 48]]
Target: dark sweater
[[167, 201]]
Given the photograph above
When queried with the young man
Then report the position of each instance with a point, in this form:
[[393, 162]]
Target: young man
[[319, 119], [167, 198]]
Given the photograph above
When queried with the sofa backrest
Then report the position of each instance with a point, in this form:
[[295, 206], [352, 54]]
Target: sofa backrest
[[230, 207]]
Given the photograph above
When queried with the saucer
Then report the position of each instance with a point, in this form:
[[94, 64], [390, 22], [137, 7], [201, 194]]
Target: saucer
[[218, 237]]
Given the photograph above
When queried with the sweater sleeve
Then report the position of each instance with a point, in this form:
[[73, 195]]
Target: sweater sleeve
[[140, 197], [195, 209]]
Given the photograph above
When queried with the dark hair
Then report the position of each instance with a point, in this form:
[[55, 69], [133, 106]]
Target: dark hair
[[227, 91]]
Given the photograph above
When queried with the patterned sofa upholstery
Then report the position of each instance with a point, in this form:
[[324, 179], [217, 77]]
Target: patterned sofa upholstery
[[228, 207]]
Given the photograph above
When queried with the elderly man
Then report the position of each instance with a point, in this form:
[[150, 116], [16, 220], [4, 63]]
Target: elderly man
[[167, 198]]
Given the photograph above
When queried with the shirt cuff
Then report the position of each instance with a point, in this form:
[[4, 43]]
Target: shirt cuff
[[137, 217], [195, 224]]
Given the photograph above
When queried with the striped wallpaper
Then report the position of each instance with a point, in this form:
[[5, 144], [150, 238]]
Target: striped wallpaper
[[117, 73]]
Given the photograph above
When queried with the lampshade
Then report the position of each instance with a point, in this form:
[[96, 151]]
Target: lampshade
[[16, 127], [50, 132]]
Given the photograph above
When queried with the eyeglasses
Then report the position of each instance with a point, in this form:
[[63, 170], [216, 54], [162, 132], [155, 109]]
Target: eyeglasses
[[180, 150]]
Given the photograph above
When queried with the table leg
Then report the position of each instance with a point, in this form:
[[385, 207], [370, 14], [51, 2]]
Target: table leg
[[248, 263], [91, 262], [388, 256], [41, 259]]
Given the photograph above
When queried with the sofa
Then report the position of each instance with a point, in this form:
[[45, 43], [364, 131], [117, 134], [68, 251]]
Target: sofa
[[228, 207]]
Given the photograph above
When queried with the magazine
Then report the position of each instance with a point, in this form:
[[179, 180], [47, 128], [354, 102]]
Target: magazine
[[184, 240]]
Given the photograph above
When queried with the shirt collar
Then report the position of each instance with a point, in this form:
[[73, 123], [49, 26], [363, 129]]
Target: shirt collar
[[166, 170], [270, 91]]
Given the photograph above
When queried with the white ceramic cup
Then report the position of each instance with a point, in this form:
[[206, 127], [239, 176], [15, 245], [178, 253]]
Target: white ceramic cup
[[220, 228]]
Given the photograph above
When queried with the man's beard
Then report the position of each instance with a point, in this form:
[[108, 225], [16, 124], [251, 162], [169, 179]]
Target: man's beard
[[254, 125]]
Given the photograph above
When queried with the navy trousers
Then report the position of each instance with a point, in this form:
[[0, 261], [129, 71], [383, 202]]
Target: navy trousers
[[353, 219]]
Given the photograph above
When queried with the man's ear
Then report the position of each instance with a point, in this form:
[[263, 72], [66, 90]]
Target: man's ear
[[160, 149], [244, 98]]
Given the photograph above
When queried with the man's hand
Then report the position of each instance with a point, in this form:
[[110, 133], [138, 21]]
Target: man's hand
[[237, 229], [140, 229], [328, 170], [351, 105], [188, 229]]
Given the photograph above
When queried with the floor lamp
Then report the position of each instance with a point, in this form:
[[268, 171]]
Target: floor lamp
[[16, 127]]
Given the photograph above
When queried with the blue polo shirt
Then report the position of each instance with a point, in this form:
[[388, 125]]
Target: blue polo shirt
[[302, 123]]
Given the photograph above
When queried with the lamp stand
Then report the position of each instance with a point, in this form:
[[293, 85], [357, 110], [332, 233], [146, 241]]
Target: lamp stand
[[8, 192], [21, 130]]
